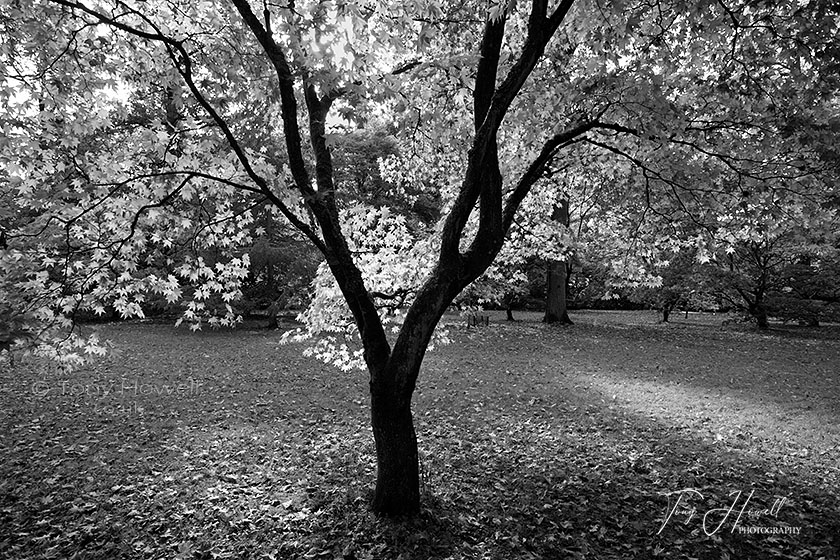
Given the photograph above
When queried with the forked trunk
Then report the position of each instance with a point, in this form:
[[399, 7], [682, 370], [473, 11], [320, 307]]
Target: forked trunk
[[398, 475], [392, 385]]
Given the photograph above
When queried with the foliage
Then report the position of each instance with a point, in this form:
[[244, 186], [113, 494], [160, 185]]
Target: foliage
[[142, 139], [810, 291], [360, 159], [394, 264], [175, 132], [766, 258], [680, 284]]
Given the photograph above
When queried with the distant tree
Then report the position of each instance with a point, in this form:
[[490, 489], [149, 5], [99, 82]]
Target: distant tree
[[809, 290], [280, 273], [678, 285], [557, 275], [356, 157], [770, 257]]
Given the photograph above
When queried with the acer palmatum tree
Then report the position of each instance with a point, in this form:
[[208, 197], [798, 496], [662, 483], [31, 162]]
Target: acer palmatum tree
[[142, 137]]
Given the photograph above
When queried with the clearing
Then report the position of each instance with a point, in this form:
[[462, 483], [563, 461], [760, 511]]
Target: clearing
[[536, 442]]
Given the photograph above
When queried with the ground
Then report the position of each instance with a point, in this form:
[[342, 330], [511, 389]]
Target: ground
[[536, 442]]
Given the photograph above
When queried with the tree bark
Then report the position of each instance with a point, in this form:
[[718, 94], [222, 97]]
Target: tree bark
[[508, 300], [557, 276], [397, 475], [555, 304], [391, 388], [759, 313]]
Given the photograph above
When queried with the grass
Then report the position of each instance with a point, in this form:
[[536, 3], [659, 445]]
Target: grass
[[536, 442]]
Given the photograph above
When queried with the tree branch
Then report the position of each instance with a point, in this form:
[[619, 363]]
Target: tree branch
[[479, 178], [285, 80], [535, 170], [488, 64], [322, 202], [183, 64]]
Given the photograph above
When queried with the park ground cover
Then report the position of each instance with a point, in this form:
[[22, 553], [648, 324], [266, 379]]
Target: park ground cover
[[536, 442]]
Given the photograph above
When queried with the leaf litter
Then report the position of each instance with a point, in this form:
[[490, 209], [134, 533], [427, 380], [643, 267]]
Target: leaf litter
[[535, 442]]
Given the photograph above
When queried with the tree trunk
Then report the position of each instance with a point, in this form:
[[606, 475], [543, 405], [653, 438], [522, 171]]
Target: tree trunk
[[508, 303], [666, 313], [274, 310], [555, 303], [759, 313], [398, 474], [557, 274], [392, 385]]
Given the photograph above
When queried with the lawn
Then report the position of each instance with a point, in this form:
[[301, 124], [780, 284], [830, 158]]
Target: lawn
[[610, 439]]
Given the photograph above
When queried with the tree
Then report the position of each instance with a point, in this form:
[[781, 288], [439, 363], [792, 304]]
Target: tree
[[557, 273], [282, 267], [810, 289], [393, 369], [239, 86], [759, 260], [678, 284]]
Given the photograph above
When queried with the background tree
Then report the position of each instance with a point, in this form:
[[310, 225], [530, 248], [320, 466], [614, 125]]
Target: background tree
[[760, 260], [557, 274], [678, 284], [282, 267], [810, 290]]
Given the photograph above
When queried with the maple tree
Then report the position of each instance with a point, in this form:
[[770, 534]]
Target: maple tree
[[677, 285], [809, 291], [141, 138], [760, 260]]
